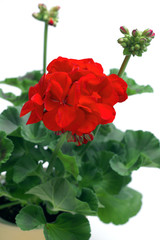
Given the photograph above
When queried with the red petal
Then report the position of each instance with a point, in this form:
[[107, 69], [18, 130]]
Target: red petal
[[42, 85], [106, 112], [37, 99], [32, 91], [79, 120], [53, 96], [39, 111], [50, 103], [49, 120], [74, 94], [86, 102], [65, 116], [27, 107], [64, 80], [60, 65], [120, 86], [34, 118], [90, 123]]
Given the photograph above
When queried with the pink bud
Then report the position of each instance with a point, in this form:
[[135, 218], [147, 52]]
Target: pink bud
[[134, 32], [149, 33], [124, 30], [41, 5], [153, 35], [57, 7]]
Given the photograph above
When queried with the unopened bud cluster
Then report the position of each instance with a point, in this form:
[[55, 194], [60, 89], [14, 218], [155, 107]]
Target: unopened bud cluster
[[137, 42], [50, 16]]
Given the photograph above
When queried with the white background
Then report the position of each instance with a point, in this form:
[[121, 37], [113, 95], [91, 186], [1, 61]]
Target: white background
[[90, 28]]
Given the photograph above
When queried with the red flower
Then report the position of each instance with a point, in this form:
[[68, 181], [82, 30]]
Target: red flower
[[75, 96], [35, 104]]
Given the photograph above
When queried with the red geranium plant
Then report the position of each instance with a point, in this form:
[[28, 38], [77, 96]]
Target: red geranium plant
[[61, 157]]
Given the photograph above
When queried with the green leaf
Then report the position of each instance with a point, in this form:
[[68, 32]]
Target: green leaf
[[108, 132], [13, 125], [69, 163], [36, 133], [30, 217], [60, 194], [118, 166], [96, 173], [24, 83], [141, 149], [68, 227], [23, 167], [87, 195], [6, 147], [9, 120], [133, 87], [16, 100], [18, 190], [105, 134], [119, 208], [26, 150]]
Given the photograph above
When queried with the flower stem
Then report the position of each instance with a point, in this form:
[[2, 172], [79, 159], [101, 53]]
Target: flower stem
[[55, 152], [9, 205], [45, 47], [124, 65]]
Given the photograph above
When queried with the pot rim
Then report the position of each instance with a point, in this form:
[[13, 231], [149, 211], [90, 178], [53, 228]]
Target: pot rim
[[2, 221]]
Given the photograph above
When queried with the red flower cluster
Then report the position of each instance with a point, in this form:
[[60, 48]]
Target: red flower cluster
[[74, 96]]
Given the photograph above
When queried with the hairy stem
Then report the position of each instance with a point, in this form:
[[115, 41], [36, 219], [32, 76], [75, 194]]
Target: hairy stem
[[45, 47], [55, 152], [124, 65]]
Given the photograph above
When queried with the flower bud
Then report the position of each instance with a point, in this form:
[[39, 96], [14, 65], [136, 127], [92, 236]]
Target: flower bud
[[55, 8], [42, 6], [143, 40], [148, 33], [135, 33], [125, 39], [124, 30], [120, 40], [35, 15], [137, 47], [153, 35], [136, 43], [50, 21], [47, 16], [123, 44]]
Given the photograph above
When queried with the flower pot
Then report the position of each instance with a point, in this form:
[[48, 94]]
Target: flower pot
[[9, 231]]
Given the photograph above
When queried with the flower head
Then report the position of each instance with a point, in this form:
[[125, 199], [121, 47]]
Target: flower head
[[50, 16], [75, 96], [136, 43]]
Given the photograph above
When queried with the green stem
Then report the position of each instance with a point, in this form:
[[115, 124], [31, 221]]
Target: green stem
[[124, 65], [55, 152], [45, 47], [9, 205]]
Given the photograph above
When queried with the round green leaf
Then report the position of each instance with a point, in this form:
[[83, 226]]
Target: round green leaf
[[119, 208], [68, 227], [30, 217]]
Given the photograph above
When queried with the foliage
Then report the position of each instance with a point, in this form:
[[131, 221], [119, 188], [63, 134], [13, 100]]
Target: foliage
[[86, 180]]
